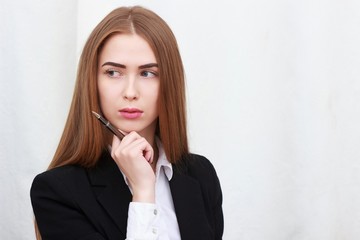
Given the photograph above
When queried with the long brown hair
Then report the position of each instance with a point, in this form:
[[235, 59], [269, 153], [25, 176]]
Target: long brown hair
[[84, 139]]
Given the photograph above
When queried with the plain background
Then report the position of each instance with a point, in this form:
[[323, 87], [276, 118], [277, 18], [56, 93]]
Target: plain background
[[273, 101]]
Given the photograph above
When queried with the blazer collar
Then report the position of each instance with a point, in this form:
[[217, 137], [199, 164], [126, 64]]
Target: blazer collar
[[111, 190]]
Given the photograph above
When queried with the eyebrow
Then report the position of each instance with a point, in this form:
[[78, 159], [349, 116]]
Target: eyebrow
[[119, 65]]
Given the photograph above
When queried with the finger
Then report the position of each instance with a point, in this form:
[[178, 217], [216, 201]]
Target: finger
[[119, 146], [146, 149], [115, 145], [133, 145], [149, 156], [140, 147], [130, 137]]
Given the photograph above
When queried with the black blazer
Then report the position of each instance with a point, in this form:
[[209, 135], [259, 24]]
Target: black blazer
[[72, 202]]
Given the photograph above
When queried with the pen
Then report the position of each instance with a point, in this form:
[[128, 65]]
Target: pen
[[109, 126]]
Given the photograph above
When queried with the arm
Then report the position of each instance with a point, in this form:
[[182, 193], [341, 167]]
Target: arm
[[143, 221], [133, 155], [203, 170], [217, 208]]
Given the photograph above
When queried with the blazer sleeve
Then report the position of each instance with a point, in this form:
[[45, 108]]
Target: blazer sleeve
[[204, 171], [216, 199], [217, 207], [56, 212]]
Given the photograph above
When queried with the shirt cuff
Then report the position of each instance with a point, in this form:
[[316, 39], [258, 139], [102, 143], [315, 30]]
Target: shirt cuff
[[143, 221]]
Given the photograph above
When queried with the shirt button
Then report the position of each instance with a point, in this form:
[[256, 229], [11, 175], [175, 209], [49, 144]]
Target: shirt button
[[155, 211]]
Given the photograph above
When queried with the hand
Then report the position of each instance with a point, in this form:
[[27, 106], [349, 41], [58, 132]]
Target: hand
[[133, 156]]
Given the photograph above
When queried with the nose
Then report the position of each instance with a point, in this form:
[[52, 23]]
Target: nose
[[130, 90]]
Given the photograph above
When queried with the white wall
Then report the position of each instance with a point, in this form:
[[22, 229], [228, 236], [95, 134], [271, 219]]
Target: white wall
[[273, 97], [37, 68]]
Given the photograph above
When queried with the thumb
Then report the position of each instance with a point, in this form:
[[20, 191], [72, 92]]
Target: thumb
[[148, 155], [115, 142]]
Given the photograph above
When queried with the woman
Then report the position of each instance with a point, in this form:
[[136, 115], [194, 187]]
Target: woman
[[148, 185]]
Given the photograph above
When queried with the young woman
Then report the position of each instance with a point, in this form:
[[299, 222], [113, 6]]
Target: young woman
[[148, 185]]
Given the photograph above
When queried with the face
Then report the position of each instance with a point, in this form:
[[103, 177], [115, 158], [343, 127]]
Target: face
[[128, 84]]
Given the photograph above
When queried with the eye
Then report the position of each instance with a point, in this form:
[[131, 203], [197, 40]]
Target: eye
[[149, 74], [113, 73]]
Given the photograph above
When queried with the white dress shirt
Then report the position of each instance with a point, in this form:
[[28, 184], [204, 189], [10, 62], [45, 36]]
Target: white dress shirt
[[155, 221]]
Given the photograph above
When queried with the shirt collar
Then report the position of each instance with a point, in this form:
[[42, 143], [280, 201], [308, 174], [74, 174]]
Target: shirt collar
[[163, 162]]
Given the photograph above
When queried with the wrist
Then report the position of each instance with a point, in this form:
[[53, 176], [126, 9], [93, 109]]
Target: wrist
[[145, 196]]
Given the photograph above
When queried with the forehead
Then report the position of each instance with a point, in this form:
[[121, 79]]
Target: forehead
[[127, 48]]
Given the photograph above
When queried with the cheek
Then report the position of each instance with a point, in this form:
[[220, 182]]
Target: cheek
[[153, 94], [156, 100], [105, 95], [107, 88], [155, 90]]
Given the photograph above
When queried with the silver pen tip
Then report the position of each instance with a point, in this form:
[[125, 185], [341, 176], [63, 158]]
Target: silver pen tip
[[96, 114]]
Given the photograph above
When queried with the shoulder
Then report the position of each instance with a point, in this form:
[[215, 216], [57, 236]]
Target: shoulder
[[66, 173], [56, 181], [199, 165], [200, 168], [203, 171]]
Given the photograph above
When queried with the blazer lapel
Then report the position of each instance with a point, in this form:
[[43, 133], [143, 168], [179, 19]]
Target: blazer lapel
[[111, 190], [114, 196], [189, 206]]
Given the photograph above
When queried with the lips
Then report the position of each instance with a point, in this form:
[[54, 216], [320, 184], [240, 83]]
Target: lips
[[131, 113]]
